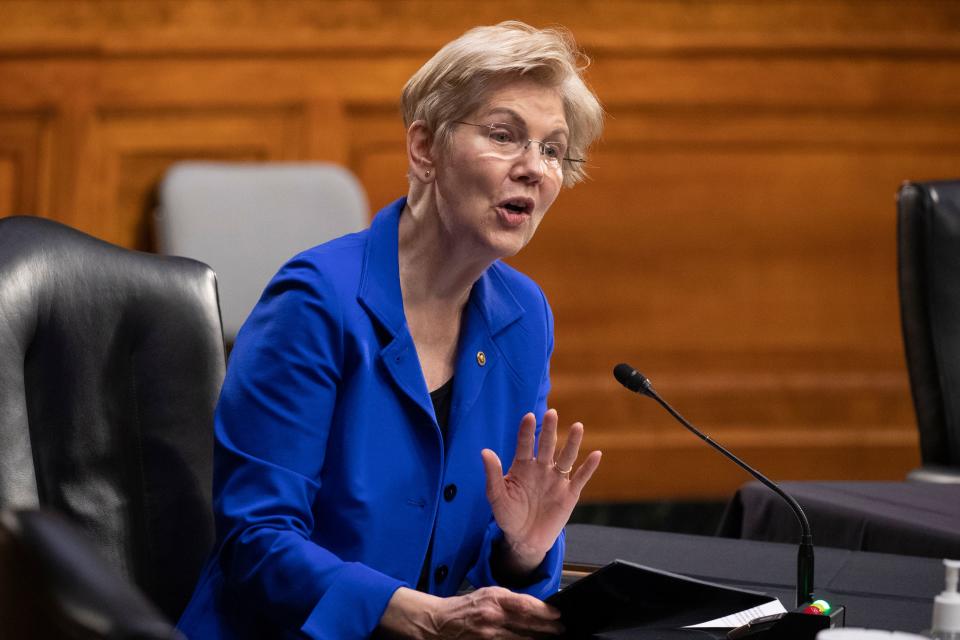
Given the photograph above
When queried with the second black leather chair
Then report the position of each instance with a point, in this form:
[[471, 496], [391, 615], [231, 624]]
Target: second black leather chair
[[928, 236]]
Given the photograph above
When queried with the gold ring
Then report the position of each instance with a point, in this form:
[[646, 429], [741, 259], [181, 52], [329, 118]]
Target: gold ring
[[564, 472]]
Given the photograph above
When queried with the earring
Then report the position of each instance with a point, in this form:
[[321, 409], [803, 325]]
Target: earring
[[427, 173]]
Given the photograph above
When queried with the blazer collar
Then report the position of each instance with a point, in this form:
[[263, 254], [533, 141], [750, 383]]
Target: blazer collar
[[379, 289], [380, 281]]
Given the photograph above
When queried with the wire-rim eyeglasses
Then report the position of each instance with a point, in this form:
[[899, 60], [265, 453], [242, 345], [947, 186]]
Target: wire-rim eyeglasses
[[511, 137]]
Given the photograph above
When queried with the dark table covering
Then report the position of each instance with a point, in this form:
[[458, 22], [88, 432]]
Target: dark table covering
[[911, 518], [880, 591]]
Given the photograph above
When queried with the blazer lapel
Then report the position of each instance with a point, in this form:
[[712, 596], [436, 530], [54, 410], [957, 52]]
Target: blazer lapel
[[380, 295], [490, 309]]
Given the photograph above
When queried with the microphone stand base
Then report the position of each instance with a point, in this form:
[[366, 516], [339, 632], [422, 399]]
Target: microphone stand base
[[795, 625]]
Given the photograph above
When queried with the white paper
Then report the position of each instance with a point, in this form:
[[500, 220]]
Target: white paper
[[741, 618]]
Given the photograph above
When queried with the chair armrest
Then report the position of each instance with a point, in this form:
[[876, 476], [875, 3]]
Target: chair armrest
[[941, 475], [53, 583]]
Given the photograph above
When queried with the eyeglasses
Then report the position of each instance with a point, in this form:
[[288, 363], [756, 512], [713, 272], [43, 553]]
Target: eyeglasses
[[510, 141]]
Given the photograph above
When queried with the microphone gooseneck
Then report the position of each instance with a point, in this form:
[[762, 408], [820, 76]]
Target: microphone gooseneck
[[639, 383]]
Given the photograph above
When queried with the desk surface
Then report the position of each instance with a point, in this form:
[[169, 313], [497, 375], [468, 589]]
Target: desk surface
[[880, 591]]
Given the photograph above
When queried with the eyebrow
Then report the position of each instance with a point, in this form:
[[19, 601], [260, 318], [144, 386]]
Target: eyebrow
[[516, 116]]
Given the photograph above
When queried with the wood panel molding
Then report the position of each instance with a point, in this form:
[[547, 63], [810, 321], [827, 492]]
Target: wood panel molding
[[376, 27], [25, 161]]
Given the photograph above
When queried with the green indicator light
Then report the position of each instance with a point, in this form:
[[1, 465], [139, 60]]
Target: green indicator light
[[823, 605]]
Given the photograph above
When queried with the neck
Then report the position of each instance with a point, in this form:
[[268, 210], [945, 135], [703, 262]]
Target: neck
[[435, 268]]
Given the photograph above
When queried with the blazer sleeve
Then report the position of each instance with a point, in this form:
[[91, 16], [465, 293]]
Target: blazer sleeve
[[545, 579], [271, 429]]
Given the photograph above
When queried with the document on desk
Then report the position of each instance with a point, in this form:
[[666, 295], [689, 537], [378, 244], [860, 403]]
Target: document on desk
[[741, 618], [624, 595]]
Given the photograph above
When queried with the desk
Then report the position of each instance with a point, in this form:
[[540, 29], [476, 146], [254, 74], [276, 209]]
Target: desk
[[880, 591], [913, 518]]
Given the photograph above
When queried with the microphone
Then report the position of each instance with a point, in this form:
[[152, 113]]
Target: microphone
[[638, 383]]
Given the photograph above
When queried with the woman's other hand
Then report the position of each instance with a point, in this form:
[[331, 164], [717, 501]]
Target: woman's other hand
[[490, 612], [533, 502]]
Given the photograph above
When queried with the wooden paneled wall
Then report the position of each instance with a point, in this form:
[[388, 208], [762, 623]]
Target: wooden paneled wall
[[736, 241]]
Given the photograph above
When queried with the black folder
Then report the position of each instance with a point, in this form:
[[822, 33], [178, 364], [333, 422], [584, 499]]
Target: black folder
[[624, 595]]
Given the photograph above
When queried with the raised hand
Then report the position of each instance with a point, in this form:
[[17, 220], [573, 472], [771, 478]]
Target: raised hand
[[533, 502]]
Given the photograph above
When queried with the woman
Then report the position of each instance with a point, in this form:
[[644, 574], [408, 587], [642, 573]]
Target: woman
[[381, 379]]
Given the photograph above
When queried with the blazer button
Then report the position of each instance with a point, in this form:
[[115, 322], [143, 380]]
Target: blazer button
[[450, 492], [441, 573], [481, 358]]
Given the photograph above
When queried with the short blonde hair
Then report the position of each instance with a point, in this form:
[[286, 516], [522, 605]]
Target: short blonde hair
[[457, 79]]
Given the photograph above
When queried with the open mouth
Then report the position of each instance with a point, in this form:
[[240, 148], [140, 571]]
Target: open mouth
[[517, 205]]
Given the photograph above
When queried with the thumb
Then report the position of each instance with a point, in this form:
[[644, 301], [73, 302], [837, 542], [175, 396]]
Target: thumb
[[494, 471]]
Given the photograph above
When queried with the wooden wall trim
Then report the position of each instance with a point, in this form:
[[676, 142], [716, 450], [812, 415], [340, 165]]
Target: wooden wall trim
[[377, 27]]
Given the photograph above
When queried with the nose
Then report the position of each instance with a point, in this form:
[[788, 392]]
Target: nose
[[529, 165]]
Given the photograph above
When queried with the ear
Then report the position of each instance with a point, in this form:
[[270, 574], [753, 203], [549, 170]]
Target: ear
[[420, 152]]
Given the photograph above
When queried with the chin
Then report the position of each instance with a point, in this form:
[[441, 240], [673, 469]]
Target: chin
[[509, 246]]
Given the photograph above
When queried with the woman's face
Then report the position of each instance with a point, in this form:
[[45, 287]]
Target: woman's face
[[488, 195]]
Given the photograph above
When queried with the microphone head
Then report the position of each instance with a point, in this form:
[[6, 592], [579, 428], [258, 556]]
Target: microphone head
[[632, 379]]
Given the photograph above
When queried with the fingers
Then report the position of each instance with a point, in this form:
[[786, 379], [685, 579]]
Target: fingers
[[526, 441], [494, 472], [526, 438], [528, 606], [493, 612], [526, 614], [548, 437], [572, 447], [582, 475], [568, 457]]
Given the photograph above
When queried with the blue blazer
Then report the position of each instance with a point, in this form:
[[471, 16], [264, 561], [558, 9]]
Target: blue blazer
[[330, 470]]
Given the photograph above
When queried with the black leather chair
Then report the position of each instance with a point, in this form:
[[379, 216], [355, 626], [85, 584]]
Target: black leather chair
[[112, 361], [928, 232]]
